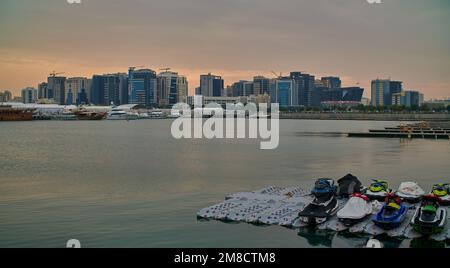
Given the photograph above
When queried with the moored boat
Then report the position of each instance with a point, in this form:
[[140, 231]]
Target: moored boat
[[7, 113], [87, 115]]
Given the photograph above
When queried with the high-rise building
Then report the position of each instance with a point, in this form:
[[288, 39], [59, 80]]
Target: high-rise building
[[408, 98], [261, 85], [172, 88], [29, 95], [237, 88], [285, 92], [108, 89], [182, 89], [383, 90], [395, 87], [331, 82], [56, 89], [248, 89], [330, 95], [43, 91], [77, 90], [5, 96], [142, 87], [352, 94], [305, 85], [211, 85]]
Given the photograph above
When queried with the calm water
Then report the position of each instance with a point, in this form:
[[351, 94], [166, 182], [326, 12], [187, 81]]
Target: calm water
[[129, 184]]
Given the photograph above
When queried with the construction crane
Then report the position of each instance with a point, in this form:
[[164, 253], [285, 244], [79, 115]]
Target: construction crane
[[277, 75], [54, 74], [135, 67], [165, 69]]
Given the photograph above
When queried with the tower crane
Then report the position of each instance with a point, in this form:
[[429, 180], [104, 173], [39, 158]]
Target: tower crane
[[54, 74]]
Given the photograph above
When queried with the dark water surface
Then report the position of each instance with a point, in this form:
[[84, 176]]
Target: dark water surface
[[130, 184]]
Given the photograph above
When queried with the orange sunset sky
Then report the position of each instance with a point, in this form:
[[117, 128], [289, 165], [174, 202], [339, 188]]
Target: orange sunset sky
[[405, 40]]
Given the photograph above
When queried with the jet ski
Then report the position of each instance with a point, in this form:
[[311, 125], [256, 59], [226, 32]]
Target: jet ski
[[410, 192], [378, 190], [324, 204], [430, 217], [443, 192], [392, 214], [356, 210], [349, 185]]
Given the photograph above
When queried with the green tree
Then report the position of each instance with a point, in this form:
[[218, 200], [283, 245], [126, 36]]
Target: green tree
[[425, 108]]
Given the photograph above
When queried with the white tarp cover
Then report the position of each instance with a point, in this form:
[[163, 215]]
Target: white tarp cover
[[410, 189], [356, 208]]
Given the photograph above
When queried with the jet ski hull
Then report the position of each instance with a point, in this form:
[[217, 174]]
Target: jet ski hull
[[351, 222], [380, 196], [410, 199], [314, 214], [392, 221], [431, 227]]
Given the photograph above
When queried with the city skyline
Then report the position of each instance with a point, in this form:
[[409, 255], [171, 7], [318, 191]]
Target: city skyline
[[237, 40]]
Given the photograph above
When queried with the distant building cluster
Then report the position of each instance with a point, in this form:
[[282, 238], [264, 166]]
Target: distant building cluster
[[298, 90], [387, 93], [6, 96], [147, 88], [139, 86]]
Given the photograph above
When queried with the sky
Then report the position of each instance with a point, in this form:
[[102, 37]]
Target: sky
[[406, 40]]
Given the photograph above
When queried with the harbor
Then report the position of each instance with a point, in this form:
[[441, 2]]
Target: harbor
[[281, 206], [422, 130]]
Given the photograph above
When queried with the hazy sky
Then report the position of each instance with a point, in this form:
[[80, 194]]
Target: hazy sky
[[406, 40]]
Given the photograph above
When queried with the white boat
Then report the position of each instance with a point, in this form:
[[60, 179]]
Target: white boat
[[65, 116], [156, 114], [119, 114], [174, 115]]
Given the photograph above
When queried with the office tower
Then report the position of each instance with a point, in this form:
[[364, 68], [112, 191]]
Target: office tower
[[261, 85], [352, 94], [77, 90], [336, 95], [238, 88], [56, 89], [305, 85], [142, 87], [182, 89], [29, 95], [211, 85], [395, 87], [43, 91], [331, 82], [172, 88], [319, 84], [5, 96], [123, 85], [383, 91], [248, 89], [285, 92], [108, 89], [408, 98]]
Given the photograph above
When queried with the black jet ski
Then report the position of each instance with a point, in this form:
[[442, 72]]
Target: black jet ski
[[349, 185], [324, 205], [430, 217]]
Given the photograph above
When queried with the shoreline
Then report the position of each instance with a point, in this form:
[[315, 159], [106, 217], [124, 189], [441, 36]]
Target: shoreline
[[367, 116]]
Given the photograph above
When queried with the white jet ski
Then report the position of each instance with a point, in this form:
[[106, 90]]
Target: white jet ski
[[411, 192], [356, 210]]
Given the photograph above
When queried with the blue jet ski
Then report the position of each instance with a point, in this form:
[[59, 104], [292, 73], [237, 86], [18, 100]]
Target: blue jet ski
[[392, 214]]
